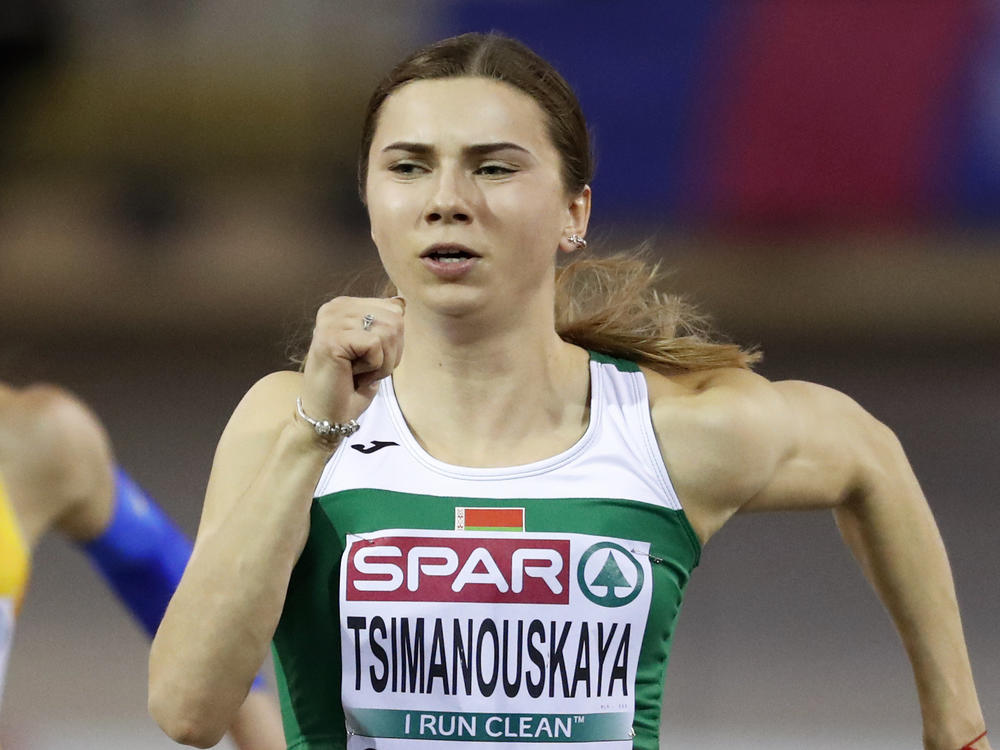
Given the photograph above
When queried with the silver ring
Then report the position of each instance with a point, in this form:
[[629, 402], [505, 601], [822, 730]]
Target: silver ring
[[366, 321]]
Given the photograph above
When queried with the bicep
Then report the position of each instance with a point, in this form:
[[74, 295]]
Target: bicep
[[742, 443], [830, 446]]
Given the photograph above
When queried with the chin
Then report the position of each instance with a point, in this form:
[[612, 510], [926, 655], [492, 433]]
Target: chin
[[454, 300]]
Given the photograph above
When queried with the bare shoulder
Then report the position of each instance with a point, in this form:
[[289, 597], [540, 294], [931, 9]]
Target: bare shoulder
[[252, 430], [714, 430], [50, 420], [56, 454], [266, 404], [718, 393], [260, 415], [733, 440], [735, 401], [722, 406]]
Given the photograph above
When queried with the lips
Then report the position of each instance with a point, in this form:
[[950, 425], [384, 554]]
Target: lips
[[449, 261], [449, 253]]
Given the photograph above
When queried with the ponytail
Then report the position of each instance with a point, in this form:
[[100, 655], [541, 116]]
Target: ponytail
[[612, 305]]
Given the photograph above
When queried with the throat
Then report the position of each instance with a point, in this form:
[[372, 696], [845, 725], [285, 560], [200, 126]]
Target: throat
[[498, 421], [505, 445]]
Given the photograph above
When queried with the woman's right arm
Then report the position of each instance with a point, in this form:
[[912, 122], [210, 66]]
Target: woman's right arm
[[217, 629], [215, 633]]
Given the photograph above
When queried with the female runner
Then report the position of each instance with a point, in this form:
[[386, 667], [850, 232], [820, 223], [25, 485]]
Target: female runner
[[483, 536]]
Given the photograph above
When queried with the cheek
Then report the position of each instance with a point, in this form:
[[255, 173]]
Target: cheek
[[534, 219], [385, 213], [388, 232]]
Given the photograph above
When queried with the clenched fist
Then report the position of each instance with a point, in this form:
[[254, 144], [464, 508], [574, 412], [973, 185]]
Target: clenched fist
[[356, 342]]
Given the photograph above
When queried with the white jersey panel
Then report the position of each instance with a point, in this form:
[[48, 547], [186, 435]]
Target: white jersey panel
[[617, 457]]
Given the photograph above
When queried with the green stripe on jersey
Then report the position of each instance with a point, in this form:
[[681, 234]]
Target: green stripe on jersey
[[307, 640], [490, 727], [623, 365]]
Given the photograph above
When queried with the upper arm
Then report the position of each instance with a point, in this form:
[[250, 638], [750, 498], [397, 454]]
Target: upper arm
[[245, 442], [832, 450], [840, 457], [739, 442]]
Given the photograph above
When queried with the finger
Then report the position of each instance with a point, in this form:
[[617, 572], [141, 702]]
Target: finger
[[366, 352], [374, 314], [364, 334], [369, 376], [391, 353], [389, 323]]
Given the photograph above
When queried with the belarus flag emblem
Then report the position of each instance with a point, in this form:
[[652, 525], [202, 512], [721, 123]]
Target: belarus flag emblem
[[489, 519]]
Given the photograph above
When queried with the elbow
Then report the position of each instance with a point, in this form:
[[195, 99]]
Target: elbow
[[181, 720]]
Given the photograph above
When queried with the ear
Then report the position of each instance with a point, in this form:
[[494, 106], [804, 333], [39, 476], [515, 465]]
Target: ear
[[578, 216]]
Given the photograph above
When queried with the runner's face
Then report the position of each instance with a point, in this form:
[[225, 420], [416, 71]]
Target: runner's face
[[465, 194]]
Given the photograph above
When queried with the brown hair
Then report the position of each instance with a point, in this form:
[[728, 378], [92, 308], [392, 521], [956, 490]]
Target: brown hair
[[502, 59], [613, 304]]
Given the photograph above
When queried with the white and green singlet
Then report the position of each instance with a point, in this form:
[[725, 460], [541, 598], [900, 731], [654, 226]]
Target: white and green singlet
[[526, 607]]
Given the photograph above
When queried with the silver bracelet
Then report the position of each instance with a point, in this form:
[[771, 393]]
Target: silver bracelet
[[325, 430]]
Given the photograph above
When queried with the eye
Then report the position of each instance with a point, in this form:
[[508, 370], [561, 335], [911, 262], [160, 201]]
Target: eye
[[495, 170], [407, 168]]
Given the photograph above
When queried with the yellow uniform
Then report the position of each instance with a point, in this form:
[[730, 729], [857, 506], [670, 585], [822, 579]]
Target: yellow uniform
[[15, 565]]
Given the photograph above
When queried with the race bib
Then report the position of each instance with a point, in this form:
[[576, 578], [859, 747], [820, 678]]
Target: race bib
[[473, 639]]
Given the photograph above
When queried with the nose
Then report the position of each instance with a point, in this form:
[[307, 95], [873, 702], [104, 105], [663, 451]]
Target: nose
[[451, 200]]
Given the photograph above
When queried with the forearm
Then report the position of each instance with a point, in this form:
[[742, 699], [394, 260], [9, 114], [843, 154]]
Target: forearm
[[217, 628], [892, 533], [257, 725]]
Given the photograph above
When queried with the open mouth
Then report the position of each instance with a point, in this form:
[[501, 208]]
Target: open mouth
[[448, 253]]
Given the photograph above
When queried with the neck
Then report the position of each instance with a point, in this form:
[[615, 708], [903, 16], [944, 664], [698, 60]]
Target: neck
[[514, 394]]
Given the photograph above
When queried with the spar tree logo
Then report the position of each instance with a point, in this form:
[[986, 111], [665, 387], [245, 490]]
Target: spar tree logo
[[609, 575]]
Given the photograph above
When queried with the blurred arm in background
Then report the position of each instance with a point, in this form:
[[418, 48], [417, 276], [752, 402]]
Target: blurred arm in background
[[57, 471]]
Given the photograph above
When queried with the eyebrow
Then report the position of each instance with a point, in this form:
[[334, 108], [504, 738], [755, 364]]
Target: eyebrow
[[478, 149]]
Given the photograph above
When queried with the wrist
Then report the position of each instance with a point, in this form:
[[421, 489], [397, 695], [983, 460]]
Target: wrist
[[974, 744], [326, 433], [302, 439], [974, 739]]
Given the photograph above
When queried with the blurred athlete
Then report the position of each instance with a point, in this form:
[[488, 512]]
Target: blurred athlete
[[57, 471]]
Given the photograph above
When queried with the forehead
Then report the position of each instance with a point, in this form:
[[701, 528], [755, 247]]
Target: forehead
[[463, 110]]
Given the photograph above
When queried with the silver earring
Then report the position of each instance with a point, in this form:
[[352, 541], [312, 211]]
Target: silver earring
[[577, 241]]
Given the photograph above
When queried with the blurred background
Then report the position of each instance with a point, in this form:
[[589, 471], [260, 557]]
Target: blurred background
[[177, 195]]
